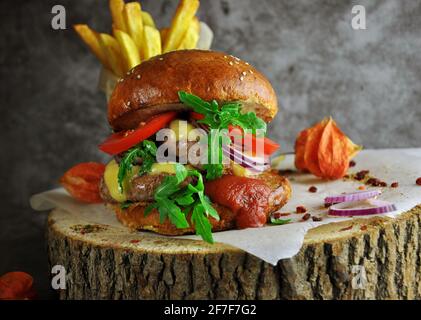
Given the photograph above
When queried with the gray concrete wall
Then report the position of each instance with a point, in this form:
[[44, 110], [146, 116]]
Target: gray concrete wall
[[52, 115]]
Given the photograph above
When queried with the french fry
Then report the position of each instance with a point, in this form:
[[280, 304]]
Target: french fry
[[164, 33], [148, 20], [183, 17], [112, 48], [152, 43], [91, 39], [116, 9], [192, 35], [128, 48], [133, 18]]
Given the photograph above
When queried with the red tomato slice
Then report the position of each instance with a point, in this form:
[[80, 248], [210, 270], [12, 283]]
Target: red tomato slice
[[196, 115], [124, 140], [269, 145]]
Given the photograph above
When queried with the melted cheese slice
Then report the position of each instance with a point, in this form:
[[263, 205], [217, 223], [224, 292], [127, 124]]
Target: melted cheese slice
[[163, 167], [111, 181]]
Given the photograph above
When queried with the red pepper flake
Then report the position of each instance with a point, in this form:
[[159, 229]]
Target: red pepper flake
[[346, 228], [395, 184], [328, 205], [301, 209], [374, 182], [361, 188], [279, 215], [418, 182], [134, 241], [363, 228], [306, 217], [316, 219], [312, 189], [383, 184], [361, 174], [352, 163]]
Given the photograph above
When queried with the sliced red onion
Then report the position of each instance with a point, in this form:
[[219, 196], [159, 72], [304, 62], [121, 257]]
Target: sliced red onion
[[361, 208], [253, 163], [247, 158], [244, 160], [353, 196]]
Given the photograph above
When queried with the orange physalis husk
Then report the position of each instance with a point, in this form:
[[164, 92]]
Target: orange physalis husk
[[324, 150], [82, 181], [311, 152], [16, 286]]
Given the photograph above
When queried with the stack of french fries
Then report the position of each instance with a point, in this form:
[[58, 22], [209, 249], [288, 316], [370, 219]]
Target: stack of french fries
[[135, 37]]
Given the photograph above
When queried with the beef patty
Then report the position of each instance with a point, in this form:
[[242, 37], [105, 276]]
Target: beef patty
[[141, 188]]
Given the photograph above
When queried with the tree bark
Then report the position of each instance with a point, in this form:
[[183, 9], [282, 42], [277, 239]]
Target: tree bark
[[107, 262]]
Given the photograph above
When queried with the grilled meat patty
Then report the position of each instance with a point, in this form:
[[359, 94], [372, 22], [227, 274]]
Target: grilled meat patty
[[141, 188]]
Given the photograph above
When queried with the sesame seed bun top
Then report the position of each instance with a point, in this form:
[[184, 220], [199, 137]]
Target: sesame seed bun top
[[152, 87]]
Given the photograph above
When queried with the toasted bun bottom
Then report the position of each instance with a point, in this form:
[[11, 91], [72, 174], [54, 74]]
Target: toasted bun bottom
[[134, 218]]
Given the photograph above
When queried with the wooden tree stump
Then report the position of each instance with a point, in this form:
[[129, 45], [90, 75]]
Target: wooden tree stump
[[109, 262]]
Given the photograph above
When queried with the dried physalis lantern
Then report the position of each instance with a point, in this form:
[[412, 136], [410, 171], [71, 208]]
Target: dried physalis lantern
[[324, 150], [82, 181], [16, 286]]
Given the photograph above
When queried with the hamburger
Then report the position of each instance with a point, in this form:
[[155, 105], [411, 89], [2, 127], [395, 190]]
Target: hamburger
[[183, 92]]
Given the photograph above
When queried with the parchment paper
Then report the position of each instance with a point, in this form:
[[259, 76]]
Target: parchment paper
[[272, 243]]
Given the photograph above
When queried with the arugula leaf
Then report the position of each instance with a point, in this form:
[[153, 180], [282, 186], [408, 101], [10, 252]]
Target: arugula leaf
[[145, 150], [213, 171], [201, 223], [279, 221], [200, 190], [217, 117], [185, 199], [175, 203], [149, 208], [167, 208], [126, 205]]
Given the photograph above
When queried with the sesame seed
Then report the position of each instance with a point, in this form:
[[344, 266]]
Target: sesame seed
[[128, 73], [160, 59], [251, 72], [247, 64], [138, 76], [231, 64], [226, 57], [244, 73], [241, 78], [236, 62]]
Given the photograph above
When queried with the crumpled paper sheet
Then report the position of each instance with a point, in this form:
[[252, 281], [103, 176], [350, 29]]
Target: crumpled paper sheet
[[272, 243]]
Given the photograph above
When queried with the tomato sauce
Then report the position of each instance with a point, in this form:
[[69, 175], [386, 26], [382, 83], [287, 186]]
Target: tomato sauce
[[248, 198]]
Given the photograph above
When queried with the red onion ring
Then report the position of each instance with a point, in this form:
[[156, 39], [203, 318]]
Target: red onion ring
[[361, 208], [353, 196], [253, 163]]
